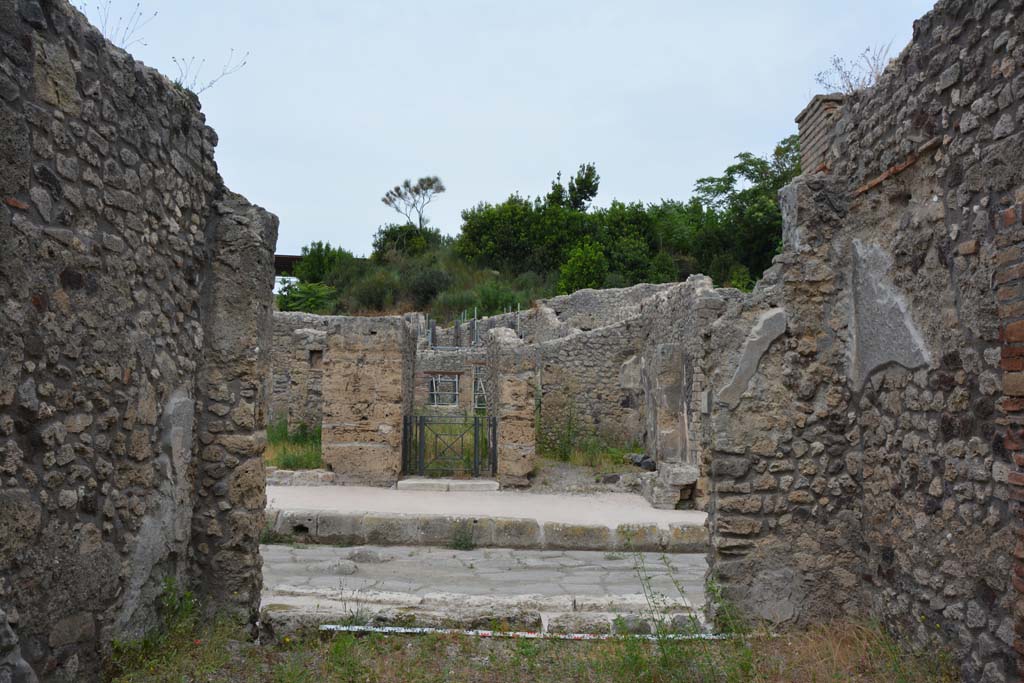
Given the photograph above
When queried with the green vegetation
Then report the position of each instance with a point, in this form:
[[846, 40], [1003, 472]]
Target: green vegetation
[[842, 651], [187, 647], [522, 249], [462, 537], [574, 442], [293, 450]]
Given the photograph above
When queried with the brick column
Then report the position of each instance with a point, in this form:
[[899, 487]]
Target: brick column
[[1010, 300]]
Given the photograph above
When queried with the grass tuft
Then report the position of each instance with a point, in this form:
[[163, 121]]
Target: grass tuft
[[293, 450]]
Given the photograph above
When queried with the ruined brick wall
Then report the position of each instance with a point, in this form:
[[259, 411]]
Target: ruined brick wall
[[865, 414], [125, 423], [367, 381], [296, 377]]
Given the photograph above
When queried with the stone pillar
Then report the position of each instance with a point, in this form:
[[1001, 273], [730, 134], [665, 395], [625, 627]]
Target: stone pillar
[[782, 512], [232, 391], [511, 396], [367, 388]]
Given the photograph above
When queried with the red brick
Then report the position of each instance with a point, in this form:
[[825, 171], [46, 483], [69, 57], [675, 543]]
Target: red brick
[[1012, 364], [1011, 405], [1013, 440], [1017, 479], [1011, 310], [16, 204], [1009, 351], [1009, 274], [1008, 292], [1008, 255], [1013, 383], [1018, 459], [1014, 332]]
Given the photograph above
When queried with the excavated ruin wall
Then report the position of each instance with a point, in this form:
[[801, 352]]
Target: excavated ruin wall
[[297, 369], [134, 311], [865, 415], [581, 389], [367, 385]]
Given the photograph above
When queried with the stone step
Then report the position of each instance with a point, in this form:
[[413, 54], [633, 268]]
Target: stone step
[[287, 615], [385, 529], [453, 485]]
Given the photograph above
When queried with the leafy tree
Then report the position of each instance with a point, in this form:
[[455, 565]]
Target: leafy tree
[[583, 188], [586, 267], [309, 297], [411, 199], [318, 260], [662, 268], [745, 198]]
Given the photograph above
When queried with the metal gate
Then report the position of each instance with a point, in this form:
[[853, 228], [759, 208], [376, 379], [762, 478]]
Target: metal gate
[[450, 446]]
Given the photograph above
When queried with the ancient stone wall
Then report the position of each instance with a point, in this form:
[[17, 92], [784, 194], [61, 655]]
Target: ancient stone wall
[[582, 392], [466, 363], [674, 396], [131, 372], [367, 381], [299, 343], [865, 414], [589, 309], [511, 367]]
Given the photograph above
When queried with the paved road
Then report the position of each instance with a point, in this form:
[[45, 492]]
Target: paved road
[[609, 509]]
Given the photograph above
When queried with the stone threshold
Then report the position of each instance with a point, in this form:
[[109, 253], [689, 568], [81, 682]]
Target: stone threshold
[[455, 485]]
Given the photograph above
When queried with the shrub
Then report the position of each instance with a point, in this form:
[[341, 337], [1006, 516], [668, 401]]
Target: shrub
[[586, 267], [309, 297]]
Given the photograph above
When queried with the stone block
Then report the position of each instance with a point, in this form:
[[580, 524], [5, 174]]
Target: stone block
[[422, 484], [388, 529], [296, 523], [638, 537], [1013, 383], [685, 538], [560, 536], [340, 528], [73, 629], [516, 533]]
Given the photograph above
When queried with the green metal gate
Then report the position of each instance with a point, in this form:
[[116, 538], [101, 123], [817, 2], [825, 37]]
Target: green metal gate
[[450, 446]]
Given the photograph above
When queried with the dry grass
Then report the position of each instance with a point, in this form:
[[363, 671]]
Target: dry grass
[[839, 652]]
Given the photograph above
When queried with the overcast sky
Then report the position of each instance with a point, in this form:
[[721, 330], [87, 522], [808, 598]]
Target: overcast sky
[[342, 99]]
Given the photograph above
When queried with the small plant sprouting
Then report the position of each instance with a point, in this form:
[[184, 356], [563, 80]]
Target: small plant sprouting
[[462, 537], [860, 74], [121, 30], [190, 70]]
